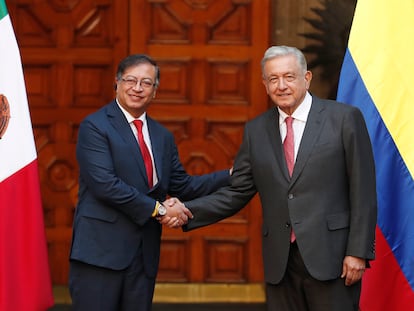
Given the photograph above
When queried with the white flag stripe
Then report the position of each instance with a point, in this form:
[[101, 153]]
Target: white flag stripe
[[17, 148]]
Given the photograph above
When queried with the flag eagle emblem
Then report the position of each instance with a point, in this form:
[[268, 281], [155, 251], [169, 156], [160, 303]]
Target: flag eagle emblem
[[4, 114]]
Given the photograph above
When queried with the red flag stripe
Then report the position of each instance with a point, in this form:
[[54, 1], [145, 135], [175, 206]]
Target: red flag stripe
[[389, 289], [25, 282]]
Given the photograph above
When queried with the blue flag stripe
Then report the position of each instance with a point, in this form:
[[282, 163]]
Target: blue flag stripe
[[395, 185]]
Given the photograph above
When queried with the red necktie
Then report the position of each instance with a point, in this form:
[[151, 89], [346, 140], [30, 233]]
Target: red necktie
[[145, 152], [289, 148]]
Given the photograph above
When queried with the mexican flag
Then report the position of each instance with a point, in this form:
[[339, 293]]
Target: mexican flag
[[25, 282]]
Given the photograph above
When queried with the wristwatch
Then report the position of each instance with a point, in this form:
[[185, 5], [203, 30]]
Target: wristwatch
[[161, 210]]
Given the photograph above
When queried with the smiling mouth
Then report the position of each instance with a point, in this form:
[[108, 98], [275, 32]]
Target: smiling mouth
[[136, 96]]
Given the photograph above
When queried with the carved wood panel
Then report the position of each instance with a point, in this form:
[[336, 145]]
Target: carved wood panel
[[68, 51], [209, 52]]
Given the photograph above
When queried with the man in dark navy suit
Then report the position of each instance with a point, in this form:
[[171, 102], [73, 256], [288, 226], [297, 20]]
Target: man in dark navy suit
[[116, 233]]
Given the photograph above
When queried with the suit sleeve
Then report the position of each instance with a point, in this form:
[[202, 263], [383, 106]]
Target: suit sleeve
[[99, 176], [228, 200], [362, 186], [188, 187]]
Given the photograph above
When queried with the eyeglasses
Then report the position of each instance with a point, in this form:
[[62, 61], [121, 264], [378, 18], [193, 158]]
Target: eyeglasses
[[132, 82]]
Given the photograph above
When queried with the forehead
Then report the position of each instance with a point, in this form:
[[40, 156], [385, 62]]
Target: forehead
[[141, 70], [281, 65]]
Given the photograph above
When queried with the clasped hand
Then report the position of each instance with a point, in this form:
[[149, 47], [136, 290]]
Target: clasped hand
[[177, 214]]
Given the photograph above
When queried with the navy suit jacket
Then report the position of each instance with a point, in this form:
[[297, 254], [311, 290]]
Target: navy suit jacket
[[330, 200], [113, 216]]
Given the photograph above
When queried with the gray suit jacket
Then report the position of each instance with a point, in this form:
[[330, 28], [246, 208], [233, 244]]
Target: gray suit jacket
[[330, 200]]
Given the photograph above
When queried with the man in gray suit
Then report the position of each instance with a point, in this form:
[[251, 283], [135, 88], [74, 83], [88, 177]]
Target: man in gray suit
[[319, 219]]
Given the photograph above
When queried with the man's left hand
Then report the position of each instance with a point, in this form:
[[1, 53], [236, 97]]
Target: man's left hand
[[352, 269]]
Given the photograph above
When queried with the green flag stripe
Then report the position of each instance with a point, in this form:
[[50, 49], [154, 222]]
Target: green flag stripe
[[3, 9]]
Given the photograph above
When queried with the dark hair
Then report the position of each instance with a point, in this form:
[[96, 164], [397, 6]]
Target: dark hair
[[136, 59]]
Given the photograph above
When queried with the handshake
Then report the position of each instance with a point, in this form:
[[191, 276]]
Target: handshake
[[177, 214]]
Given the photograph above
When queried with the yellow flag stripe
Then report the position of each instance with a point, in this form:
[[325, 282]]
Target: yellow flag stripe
[[383, 50]]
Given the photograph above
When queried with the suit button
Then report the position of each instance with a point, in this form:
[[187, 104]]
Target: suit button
[[287, 224], [290, 196]]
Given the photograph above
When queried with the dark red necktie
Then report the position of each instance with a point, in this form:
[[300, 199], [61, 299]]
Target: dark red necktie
[[145, 152], [289, 148]]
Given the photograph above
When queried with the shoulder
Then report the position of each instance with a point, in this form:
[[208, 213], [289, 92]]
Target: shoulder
[[333, 106], [341, 114], [110, 109], [271, 115], [158, 128]]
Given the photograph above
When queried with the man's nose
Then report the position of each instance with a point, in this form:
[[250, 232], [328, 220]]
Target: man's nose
[[281, 84], [138, 86]]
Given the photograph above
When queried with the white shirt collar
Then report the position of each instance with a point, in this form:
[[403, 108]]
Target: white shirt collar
[[130, 118], [301, 113]]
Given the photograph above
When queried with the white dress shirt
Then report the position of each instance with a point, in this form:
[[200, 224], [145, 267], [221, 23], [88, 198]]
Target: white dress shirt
[[300, 116], [145, 133]]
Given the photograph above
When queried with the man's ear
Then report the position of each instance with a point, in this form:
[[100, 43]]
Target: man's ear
[[308, 78]]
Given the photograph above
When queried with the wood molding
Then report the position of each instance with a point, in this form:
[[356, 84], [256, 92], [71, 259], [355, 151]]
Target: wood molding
[[192, 293]]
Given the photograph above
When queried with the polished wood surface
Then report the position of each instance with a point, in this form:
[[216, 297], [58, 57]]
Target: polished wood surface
[[209, 52], [69, 50]]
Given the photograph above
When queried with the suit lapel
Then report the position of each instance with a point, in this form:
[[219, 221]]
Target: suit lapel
[[311, 134], [275, 141], [119, 122], [157, 146]]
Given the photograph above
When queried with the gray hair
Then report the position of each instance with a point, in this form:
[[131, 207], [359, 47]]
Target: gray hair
[[282, 50]]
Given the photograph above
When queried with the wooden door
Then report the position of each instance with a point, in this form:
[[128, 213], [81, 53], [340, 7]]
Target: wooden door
[[209, 52], [69, 51]]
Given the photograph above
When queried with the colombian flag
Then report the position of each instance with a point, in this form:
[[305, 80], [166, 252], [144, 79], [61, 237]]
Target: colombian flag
[[377, 77], [25, 283]]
